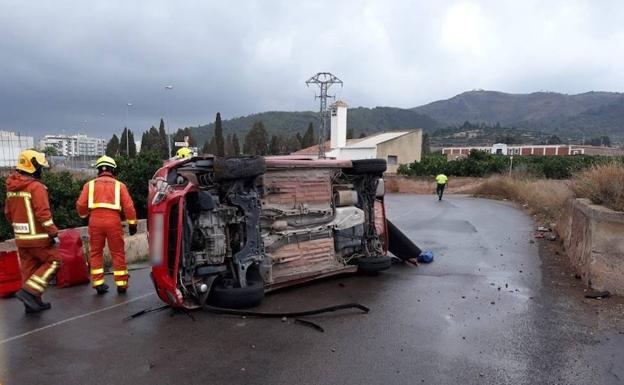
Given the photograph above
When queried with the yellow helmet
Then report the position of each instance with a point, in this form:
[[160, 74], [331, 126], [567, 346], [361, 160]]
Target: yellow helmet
[[106, 161], [184, 152], [28, 161]]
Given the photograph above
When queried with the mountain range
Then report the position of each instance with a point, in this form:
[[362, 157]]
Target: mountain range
[[572, 116]]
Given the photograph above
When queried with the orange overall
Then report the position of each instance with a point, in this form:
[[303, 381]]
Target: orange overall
[[103, 199], [28, 209]]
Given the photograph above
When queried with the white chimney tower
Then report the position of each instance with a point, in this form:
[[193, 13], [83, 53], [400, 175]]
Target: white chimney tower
[[338, 124]]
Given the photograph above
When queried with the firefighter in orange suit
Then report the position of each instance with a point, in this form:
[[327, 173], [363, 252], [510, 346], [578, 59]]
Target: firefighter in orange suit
[[28, 209], [103, 200]]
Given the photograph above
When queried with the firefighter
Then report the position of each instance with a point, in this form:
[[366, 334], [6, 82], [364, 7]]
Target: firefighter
[[184, 152], [103, 200], [27, 208]]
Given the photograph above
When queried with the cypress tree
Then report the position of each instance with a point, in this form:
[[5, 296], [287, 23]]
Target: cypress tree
[[309, 139], [229, 148], [112, 147], [132, 145], [274, 147], [162, 135], [235, 145], [219, 145]]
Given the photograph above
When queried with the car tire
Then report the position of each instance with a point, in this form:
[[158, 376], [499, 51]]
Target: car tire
[[400, 245], [226, 296], [239, 167], [373, 265], [367, 166]]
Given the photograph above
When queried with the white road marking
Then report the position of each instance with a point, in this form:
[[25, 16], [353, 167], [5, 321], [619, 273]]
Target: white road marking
[[73, 319]]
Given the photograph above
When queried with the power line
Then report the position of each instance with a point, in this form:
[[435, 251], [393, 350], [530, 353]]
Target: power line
[[324, 80]]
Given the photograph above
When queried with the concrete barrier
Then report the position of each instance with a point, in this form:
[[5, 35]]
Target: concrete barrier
[[592, 238], [136, 245]]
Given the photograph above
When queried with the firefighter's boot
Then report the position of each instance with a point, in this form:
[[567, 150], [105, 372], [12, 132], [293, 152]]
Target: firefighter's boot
[[30, 301], [101, 289], [44, 305]]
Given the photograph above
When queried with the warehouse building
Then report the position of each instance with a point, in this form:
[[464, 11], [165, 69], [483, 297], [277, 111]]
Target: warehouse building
[[396, 147], [536, 150]]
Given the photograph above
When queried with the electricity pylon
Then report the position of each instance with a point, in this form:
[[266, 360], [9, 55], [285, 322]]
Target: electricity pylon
[[324, 80]]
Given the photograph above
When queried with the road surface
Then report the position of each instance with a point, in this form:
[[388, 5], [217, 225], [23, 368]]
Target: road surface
[[488, 310]]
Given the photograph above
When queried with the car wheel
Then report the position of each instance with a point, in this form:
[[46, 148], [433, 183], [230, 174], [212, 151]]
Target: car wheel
[[239, 167], [367, 166], [400, 245], [226, 294], [372, 265]]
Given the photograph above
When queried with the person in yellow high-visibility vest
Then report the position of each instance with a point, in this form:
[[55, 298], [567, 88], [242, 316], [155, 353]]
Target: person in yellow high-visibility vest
[[441, 181], [103, 200], [27, 208]]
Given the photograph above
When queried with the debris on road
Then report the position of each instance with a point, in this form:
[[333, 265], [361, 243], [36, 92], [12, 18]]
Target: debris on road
[[309, 324], [597, 294], [425, 257]]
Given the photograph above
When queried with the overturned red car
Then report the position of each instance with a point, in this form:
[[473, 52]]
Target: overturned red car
[[223, 231]]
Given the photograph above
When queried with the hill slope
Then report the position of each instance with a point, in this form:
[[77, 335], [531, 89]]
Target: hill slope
[[548, 111], [587, 114], [362, 120]]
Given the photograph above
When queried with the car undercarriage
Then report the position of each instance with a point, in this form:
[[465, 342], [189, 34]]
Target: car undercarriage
[[223, 231]]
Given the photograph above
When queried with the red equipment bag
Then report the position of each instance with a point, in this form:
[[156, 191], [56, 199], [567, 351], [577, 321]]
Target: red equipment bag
[[10, 275], [74, 269]]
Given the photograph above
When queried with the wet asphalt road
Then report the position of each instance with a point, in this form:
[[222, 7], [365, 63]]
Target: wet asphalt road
[[480, 314]]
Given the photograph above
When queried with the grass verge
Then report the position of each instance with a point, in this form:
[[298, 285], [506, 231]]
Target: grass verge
[[602, 184]]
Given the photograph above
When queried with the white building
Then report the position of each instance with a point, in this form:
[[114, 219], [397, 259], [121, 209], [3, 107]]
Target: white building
[[396, 147], [11, 144], [74, 145]]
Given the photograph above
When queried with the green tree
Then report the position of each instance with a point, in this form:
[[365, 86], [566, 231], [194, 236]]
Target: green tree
[[150, 142], [278, 145], [554, 139], [208, 147], [256, 140], [229, 147], [135, 173], [350, 133], [219, 143], [112, 147], [603, 141], [162, 134], [426, 146], [308, 139], [127, 136], [50, 151], [293, 144], [235, 145]]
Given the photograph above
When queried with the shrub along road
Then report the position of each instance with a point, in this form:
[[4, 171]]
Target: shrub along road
[[484, 312]]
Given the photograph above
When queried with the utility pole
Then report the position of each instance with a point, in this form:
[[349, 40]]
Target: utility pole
[[167, 88], [510, 164], [324, 80]]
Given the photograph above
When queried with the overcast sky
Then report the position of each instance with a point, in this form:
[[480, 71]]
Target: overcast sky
[[69, 66]]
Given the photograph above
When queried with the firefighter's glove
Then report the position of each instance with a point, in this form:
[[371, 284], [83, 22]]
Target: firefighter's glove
[[54, 239], [132, 229]]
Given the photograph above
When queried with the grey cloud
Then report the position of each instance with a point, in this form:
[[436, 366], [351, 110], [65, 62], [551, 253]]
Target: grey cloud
[[64, 62]]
